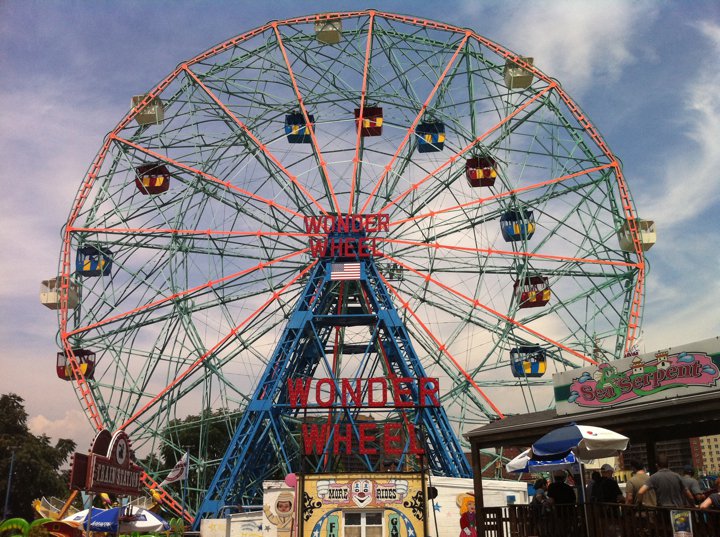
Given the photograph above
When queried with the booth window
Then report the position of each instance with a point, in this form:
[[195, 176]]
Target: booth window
[[363, 524]]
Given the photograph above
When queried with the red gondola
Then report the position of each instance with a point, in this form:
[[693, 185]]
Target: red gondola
[[372, 121], [480, 171], [152, 178], [532, 291], [85, 359]]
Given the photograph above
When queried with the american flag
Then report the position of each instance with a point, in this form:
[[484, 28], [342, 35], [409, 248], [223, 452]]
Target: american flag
[[345, 271]]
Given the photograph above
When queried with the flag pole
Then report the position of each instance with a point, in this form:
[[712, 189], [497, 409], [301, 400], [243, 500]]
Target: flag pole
[[186, 475]]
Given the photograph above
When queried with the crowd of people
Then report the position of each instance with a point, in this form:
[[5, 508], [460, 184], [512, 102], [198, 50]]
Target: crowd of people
[[663, 489]]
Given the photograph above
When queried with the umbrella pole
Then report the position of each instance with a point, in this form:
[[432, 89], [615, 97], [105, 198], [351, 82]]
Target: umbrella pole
[[584, 499], [88, 520]]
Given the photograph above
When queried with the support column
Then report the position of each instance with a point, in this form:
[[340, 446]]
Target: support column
[[478, 489]]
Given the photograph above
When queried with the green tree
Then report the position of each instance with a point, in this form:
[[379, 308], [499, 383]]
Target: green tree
[[209, 435], [36, 471]]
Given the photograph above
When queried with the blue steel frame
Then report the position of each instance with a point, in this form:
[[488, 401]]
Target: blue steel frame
[[267, 439]]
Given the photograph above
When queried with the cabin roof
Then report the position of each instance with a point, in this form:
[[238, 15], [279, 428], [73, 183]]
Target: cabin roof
[[668, 419]]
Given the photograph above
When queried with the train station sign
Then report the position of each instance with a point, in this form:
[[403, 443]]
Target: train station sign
[[107, 467]]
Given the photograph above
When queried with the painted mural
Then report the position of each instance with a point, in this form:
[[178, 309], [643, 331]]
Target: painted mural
[[389, 504], [282, 513], [466, 505]]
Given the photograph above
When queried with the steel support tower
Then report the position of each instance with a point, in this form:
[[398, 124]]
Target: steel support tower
[[344, 325]]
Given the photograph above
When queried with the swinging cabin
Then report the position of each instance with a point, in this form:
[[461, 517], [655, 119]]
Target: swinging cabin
[[92, 262], [528, 361], [296, 130], [480, 171], [532, 291], [517, 225], [85, 359], [152, 178], [431, 136]]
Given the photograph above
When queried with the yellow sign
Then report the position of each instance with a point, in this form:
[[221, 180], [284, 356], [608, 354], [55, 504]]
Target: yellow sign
[[391, 504]]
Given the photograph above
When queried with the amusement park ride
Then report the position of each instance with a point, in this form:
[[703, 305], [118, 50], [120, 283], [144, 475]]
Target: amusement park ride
[[350, 228]]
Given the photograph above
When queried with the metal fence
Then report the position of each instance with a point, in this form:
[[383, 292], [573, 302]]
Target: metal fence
[[603, 520]]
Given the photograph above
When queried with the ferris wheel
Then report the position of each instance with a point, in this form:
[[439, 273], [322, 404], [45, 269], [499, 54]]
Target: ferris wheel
[[499, 220]]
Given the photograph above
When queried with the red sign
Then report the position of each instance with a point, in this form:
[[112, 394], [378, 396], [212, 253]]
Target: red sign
[[349, 223], [380, 392], [345, 246], [397, 392], [107, 468], [315, 438]]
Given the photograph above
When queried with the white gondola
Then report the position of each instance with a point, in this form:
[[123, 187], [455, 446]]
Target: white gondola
[[517, 77], [50, 294], [328, 31], [646, 233], [152, 114]]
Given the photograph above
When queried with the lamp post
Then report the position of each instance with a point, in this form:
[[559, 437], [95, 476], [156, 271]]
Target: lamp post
[[9, 483]]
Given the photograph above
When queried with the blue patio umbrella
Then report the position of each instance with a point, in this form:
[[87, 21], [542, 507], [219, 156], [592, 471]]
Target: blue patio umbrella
[[585, 441], [527, 463], [124, 519]]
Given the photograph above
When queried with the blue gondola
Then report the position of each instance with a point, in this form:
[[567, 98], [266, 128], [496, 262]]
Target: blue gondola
[[528, 361], [517, 225], [431, 136], [296, 129], [92, 261]]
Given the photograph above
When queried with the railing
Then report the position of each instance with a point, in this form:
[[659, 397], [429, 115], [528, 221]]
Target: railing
[[603, 520]]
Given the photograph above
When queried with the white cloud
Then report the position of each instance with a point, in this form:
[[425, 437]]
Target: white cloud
[[579, 43], [682, 288], [691, 184], [73, 424], [43, 158]]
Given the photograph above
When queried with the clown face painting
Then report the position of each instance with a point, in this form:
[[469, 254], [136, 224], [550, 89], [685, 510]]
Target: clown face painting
[[362, 492]]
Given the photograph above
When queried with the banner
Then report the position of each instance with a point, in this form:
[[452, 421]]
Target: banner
[[180, 472]]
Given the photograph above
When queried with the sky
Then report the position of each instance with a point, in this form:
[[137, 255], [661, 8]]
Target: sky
[[646, 74]]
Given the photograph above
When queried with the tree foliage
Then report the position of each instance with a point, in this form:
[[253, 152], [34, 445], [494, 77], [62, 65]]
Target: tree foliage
[[36, 469], [212, 432], [208, 435]]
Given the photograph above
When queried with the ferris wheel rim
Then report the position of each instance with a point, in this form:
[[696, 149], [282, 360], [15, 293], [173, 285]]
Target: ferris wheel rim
[[185, 68]]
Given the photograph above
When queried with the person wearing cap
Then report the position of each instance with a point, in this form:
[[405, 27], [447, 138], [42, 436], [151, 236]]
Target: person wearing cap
[[669, 488], [692, 485], [607, 490]]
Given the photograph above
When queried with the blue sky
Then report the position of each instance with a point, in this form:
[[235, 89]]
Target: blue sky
[[646, 73]]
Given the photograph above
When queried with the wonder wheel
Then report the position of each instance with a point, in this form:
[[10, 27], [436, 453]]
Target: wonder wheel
[[490, 204]]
